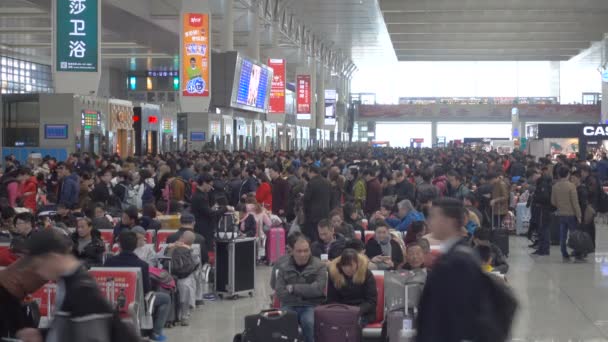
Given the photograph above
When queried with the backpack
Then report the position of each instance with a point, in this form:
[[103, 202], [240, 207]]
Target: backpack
[[187, 189], [4, 182], [542, 194], [498, 306], [129, 198], [182, 262], [161, 278]]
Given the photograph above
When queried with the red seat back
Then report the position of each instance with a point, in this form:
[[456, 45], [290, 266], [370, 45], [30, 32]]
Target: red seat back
[[162, 235], [369, 234], [150, 235], [42, 297], [107, 235], [123, 279], [358, 235]]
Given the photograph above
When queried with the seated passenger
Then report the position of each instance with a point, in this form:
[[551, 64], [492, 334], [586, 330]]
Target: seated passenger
[[340, 226], [407, 215], [65, 216], [301, 284], [383, 251], [144, 250], [127, 258], [481, 237], [485, 254], [415, 232], [415, 257], [129, 219], [330, 243], [351, 282], [291, 238], [358, 245], [87, 244]]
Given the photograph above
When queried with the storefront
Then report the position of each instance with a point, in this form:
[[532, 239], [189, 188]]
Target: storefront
[[567, 139], [258, 135], [91, 134], [228, 133], [146, 124], [215, 132], [121, 133]]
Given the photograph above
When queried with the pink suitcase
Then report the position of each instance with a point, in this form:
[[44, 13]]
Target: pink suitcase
[[276, 244]]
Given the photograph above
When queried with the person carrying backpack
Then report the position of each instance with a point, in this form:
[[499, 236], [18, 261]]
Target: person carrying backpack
[[459, 301]]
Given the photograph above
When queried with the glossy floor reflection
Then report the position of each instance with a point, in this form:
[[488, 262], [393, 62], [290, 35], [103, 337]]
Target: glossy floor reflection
[[559, 302]]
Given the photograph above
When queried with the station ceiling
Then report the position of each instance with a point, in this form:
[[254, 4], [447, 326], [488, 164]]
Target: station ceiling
[[367, 31]]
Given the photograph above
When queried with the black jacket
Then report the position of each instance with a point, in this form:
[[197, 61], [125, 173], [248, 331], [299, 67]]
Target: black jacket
[[101, 194], [198, 239], [206, 217], [449, 306], [280, 195], [364, 295], [317, 199], [92, 254], [335, 248], [372, 249], [130, 259], [235, 191], [405, 190]]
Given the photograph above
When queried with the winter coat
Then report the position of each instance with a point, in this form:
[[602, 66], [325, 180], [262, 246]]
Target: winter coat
[[360, 193], [69, 191], [403, 224], [92, 254], [308, 285], [316, 199], [359, 290], [372, 249], [373, 199], [206, 217], [30, 187], [565, 198], [280, 196], [264, 195]]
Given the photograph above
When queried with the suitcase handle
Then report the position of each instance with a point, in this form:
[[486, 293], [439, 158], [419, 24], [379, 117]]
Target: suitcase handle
[[272, 313], [342, 306]]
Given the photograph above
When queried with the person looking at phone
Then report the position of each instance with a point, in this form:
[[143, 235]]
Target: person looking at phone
[[382, 250], [330, 244]]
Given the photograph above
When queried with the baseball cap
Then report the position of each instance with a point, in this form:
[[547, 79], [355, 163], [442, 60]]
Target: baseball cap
[[186, 218], [138, 230]]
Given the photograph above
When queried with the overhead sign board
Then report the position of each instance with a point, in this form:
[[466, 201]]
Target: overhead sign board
[[304, 97], [195, 54], [277, 90], [77, 43]]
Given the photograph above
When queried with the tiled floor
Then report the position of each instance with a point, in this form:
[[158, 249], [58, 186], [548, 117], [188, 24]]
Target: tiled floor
[[559, 302]]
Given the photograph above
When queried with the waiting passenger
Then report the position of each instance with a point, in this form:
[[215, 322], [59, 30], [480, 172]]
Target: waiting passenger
[[383, 251], [415, 257], [301, 285], [481, 237], [330, 243], [88, 245], [351, 282], [407, 215]]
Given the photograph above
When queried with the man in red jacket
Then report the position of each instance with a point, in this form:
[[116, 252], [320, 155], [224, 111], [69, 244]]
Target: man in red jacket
[[28, 188]]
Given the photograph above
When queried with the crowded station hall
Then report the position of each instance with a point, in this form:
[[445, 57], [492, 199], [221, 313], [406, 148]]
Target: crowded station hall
[[303, 171]]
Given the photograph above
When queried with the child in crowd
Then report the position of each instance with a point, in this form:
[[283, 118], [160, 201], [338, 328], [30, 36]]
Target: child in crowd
[[485, 254]]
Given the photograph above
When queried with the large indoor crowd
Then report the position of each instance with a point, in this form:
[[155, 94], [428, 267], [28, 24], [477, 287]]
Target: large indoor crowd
[[346, 214]]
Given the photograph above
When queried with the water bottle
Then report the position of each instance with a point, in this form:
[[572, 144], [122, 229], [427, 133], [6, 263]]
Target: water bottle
[[122, 299], [407, 332]]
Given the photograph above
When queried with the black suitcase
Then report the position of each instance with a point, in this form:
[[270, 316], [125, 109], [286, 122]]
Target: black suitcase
[[500, 236], [554, 230], [272, 325]]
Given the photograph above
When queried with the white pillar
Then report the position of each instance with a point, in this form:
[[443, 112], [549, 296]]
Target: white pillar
[[604, 116], [254, 33], [227, 33], [320, 91], [433, 133]]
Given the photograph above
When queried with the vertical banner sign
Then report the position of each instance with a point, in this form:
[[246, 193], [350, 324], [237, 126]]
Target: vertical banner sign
[[304, 97], [277, 91], [76, 42], [331, 97], [195, 55]]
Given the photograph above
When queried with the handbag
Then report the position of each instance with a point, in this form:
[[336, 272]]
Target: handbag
[[580, 242]]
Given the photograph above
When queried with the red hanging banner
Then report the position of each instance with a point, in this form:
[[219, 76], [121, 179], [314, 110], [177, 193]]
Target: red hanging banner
[[277, 91], [304, 97]]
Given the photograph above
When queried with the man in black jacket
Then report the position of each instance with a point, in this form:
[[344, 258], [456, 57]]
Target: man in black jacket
[[102, 193], [330, 245], [280, 191], [83, 314], [449, 305], [541, 212], [205, 215], [316, 201], [403, 188]]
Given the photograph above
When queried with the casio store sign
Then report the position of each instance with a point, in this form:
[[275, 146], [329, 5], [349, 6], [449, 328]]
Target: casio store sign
[[594, 131]]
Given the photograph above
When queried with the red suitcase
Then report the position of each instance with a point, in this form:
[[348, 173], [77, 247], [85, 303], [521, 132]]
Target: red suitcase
[[337, 322], [276, 244]]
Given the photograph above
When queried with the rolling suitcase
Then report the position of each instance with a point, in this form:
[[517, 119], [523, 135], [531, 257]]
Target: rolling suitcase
[[500, 236], [276, 245], [271, 326], [400, 322], [337, 322]]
